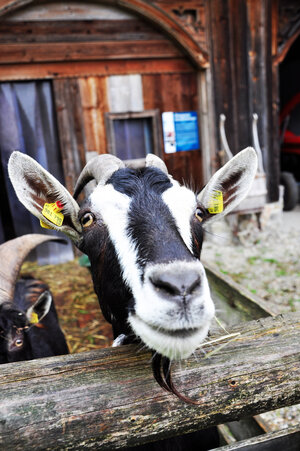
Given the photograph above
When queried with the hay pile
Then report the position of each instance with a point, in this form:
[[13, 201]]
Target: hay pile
[[77, 305]]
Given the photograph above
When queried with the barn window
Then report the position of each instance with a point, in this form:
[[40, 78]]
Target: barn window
[[133, 135]]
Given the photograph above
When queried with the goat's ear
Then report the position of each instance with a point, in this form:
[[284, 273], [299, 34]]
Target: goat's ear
[[36, 312], [233, 180], [35, 186]]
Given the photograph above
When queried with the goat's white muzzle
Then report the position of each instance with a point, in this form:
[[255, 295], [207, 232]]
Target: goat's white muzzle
[[174, 309]]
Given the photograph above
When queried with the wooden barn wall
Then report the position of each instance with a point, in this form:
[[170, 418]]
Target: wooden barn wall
[[241, 61], [176, 92], [81, 48], [94, 101]]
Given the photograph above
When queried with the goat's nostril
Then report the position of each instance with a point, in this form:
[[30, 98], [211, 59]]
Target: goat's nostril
[[194, 286], [163, 285], [176, 284]]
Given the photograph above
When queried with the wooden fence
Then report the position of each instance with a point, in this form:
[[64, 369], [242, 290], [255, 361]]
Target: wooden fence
[[108, 399]]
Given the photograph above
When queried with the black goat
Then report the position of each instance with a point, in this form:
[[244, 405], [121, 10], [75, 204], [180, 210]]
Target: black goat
[[29, 326]]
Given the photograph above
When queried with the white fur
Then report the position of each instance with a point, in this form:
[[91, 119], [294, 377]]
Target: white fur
[[182, 204], [113, 207], [154, 315]]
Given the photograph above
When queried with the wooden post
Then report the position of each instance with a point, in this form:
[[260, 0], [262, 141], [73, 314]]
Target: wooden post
[[108, 399]]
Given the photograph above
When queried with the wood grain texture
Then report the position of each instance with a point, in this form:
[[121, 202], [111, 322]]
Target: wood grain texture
[[85, 51], [78, 31], [74, 69], [94, 101], [176, 92], [109, 399], [70, 127]]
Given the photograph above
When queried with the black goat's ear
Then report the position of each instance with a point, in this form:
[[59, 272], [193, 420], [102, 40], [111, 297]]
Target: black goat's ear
[[229, 185], [36, 312], [36, 187]]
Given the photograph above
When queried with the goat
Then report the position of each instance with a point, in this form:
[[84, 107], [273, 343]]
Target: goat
[[29, 326], [143, 233]]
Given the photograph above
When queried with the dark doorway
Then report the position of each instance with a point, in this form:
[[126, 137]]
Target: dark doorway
[[28, 124]]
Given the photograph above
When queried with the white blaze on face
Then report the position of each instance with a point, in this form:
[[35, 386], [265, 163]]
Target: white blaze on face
[[113, 207], [182, 204], [159, 322]]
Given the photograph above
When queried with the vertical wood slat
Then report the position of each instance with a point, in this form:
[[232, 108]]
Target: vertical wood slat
[[94, 100], [71, 130], [263, 86], [275, 105], [176, 92], [238, 23], [222, 68]]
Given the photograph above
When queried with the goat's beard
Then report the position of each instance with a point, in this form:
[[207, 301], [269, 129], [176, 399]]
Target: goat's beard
[[162, 371]]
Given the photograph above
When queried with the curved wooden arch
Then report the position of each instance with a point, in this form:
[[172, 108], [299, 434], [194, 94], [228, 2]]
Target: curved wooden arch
[[152, 12]]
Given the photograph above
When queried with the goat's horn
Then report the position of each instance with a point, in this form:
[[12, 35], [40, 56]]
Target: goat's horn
[[12, 255], [154, 161], [100, 169]]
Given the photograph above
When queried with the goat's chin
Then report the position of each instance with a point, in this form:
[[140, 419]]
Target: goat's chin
[[174, 344]]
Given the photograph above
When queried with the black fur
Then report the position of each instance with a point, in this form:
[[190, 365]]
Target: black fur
[[43, 340]]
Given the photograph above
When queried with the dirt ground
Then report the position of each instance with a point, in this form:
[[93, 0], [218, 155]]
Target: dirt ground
[[267, 262]]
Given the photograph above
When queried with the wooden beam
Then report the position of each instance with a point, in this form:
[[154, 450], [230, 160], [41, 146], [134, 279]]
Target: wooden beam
[[86, 51], [234, 297], [76, 69], [288, 439], [162, 19], [108, 399]]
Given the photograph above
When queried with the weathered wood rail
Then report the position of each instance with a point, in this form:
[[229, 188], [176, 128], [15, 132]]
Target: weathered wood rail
[[108, 399]]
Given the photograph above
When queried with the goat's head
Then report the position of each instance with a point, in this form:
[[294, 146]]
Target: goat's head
[[20, 309], [143, 233]]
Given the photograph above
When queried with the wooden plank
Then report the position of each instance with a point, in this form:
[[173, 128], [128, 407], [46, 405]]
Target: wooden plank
[[94, 101], [65, 11], [287, 439], [78, 30], [222, 69], [240, 72], [31, 71], [85, 51], [71, 130], [108, 398], [236, 300], [125, 93]]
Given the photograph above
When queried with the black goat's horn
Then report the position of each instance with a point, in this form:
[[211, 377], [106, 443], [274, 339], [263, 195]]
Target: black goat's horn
[[12, 255], [100, 169]]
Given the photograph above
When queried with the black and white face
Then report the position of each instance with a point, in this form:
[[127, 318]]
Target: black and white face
[[154, 227], [143, 234]]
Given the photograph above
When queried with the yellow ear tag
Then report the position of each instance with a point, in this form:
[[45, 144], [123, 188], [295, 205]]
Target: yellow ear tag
[[215, 204], [52, 213], [34, 319]]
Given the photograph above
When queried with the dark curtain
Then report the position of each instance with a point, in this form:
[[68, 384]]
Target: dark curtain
[[27, 124]]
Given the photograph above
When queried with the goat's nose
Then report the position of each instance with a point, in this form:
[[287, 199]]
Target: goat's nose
[[172, 285]]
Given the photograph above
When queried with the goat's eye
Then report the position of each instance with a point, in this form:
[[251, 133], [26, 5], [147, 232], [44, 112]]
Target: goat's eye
[[19, 342], [87, 219], [199, 214]]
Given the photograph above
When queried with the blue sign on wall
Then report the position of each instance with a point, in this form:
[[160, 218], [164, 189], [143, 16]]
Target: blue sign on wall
[[181, 131]]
